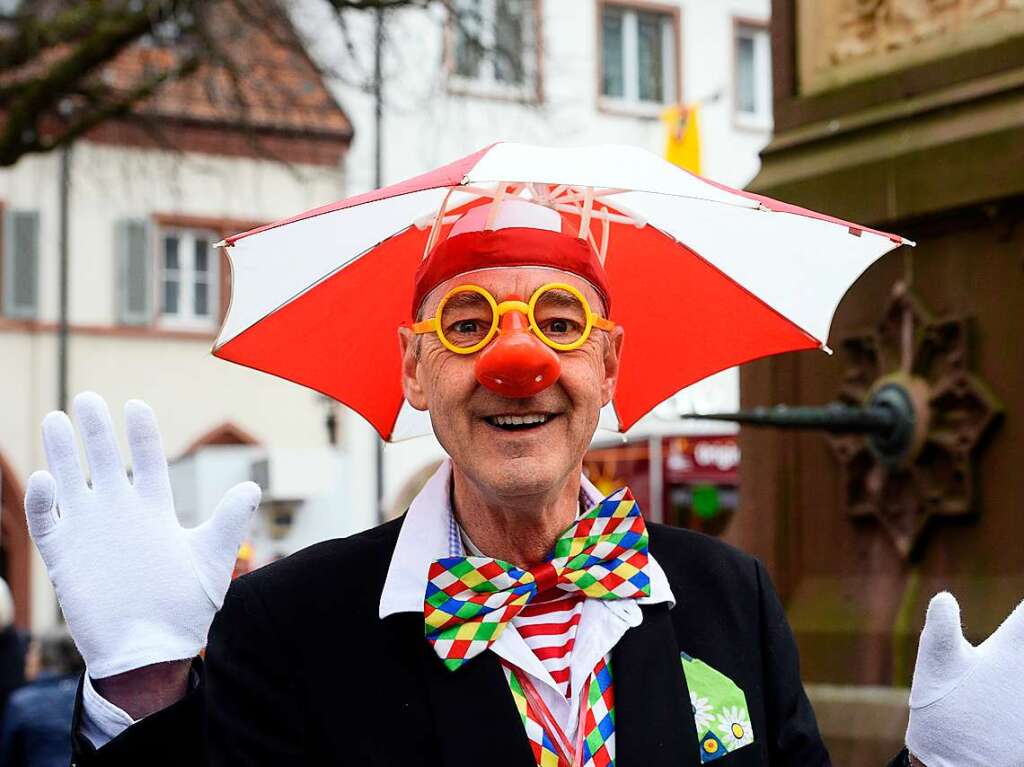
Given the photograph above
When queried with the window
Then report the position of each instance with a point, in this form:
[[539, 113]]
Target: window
[[188, 278], [170, 272], [494, 48], [753, 71], [639, 57], [21, 264]]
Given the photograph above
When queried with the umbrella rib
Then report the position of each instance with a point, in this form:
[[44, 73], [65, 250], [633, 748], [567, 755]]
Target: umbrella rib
[[479, 191], [438, 222], [492, 214], [584, 225], [588, 206], [601, 214], [598, 193], [425, 221], [631, 216], [605, 233], [541, 194]]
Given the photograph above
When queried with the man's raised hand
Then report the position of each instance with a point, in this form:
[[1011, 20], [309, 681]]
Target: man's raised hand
[[136, 588]]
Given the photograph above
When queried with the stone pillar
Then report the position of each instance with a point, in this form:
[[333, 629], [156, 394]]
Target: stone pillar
[[905, 115]]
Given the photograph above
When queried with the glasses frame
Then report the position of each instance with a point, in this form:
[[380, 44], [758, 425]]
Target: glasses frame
[[498, 310]]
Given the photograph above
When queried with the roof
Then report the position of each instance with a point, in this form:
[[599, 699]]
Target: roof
[[270, 82]]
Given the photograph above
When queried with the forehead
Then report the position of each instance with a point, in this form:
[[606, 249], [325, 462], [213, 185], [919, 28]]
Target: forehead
[[502, 282]]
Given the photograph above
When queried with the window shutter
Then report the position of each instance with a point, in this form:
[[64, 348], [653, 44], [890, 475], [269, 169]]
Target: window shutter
[[21, 264], [135, 266]]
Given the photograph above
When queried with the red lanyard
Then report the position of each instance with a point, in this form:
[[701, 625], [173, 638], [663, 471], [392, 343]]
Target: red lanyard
[[568, 756]]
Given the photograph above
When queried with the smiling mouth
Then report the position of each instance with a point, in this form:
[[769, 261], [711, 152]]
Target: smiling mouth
[[519, 422]]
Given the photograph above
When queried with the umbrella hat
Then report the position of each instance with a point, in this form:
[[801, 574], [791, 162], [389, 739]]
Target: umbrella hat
[[702, 277]]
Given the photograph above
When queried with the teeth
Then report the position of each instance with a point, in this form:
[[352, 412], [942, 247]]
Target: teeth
[[518, 420]]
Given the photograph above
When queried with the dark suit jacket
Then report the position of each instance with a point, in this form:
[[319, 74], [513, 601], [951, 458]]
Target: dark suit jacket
[[300, 670]]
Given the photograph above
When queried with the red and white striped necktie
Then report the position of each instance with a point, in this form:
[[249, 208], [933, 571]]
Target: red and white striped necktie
[[548, 626]]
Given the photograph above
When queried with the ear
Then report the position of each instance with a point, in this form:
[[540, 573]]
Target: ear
[[612, 355], [414, 394]]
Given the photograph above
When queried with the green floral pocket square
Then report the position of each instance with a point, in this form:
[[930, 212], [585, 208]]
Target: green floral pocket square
[[719, 710]]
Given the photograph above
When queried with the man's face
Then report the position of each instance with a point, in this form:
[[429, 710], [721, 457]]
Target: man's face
[[465, 415]]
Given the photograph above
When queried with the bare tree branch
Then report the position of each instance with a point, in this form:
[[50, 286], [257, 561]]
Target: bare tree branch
[[68, 66], [33, 35]]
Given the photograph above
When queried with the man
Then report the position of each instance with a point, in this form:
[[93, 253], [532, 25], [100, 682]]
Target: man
[[512, 617], [13, 646], [38, 715]]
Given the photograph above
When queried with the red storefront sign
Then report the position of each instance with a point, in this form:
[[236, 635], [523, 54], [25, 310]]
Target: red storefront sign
[[690, 460], [687, 460]]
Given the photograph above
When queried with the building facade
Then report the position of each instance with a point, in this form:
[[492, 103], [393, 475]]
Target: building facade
[[146, 201], [909, 117]]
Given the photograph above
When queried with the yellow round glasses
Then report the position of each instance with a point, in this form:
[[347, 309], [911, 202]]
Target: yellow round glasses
[[468, 316]]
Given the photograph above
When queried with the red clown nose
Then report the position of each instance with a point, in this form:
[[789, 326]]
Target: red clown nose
[[517, 364]]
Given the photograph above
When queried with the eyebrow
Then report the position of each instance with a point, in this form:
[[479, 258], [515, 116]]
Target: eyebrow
[[461, 300], [561, 298]]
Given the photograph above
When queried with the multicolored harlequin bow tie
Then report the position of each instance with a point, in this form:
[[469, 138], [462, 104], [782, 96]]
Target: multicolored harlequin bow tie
[[470, 600]]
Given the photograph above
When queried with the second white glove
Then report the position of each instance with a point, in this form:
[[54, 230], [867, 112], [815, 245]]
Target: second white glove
[[136, 588], [965, 703]]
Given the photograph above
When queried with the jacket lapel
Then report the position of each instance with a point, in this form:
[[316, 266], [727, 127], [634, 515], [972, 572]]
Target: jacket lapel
[[475, 716], [653, 716]]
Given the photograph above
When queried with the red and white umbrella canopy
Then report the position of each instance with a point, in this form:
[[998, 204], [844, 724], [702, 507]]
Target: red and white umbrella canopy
[[702, 277]]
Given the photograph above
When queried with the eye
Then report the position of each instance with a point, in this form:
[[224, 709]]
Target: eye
[[466, 318], [560, 316], [561, 327]]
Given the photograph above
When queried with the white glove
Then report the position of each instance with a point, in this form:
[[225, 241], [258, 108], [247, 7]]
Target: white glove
[[966, 706], [136, 588]]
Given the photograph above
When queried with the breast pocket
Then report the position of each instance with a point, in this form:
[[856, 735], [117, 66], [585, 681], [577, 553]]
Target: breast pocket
[[719, 711]]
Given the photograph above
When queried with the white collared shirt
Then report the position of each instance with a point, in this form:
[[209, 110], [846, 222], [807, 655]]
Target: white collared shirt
[[425, 537]]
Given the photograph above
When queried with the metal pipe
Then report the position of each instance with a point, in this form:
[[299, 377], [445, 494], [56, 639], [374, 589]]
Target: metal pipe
[[378, 175], [889, 420], [835, 418], [62, 316]]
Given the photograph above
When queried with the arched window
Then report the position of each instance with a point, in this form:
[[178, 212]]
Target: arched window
[[225, 434]]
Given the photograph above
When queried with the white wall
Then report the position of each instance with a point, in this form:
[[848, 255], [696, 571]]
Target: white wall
[[191, 391]]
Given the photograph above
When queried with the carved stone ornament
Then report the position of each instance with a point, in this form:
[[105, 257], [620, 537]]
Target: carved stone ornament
[[928, 358], [869, 27]]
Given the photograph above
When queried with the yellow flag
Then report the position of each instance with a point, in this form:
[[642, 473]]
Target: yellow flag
[[682, 147]]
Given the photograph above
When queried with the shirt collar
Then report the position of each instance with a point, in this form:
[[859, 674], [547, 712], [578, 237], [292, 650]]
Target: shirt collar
[[425, 537]]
